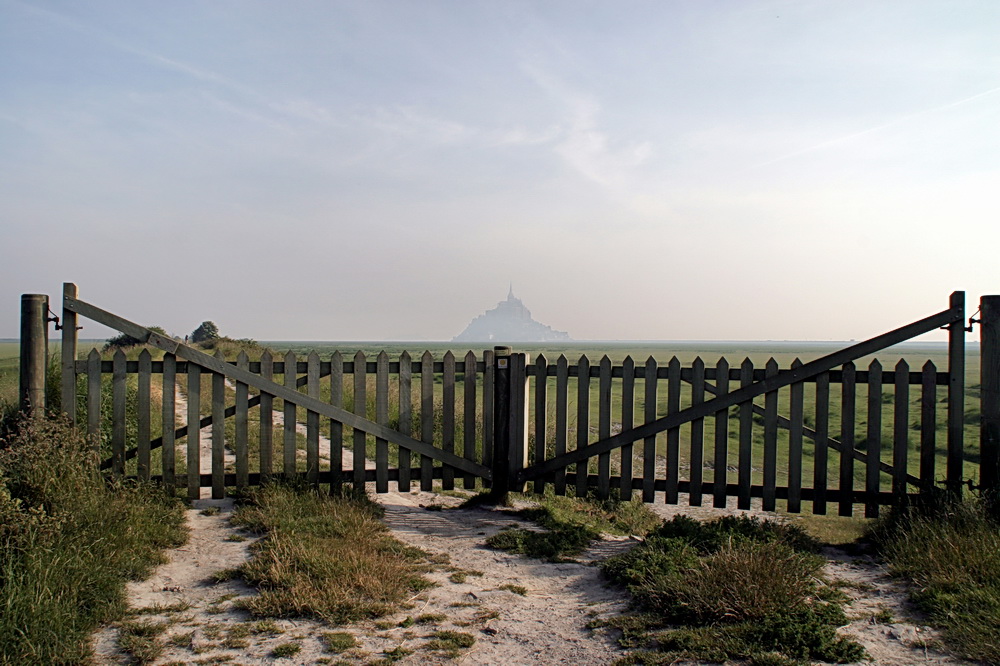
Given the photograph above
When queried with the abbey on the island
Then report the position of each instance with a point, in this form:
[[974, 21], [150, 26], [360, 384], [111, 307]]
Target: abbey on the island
[[509, 321]]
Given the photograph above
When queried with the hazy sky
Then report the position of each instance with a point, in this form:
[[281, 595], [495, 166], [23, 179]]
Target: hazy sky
[[383, 170]]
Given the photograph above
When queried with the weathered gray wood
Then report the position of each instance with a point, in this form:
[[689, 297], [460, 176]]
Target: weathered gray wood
[[847, 405], [796, 411], [604, 427], [582, 423], [143, 381], [360, 408], [312, 420], [928, 425], [448, 418], [488, 379], [34, 353], [874, 439], [94, 398], [241, 421], [118, 414], [336, 426], [696, 456], [956, 396], [628, 410], [517, 460], [193, 467], [821, 455], [721, 461], [770, 440], [673, 434], [989, 402], [405, 418], [266, 419], [649, 442], [562, 420], [69, 353], [168, 456], [901, 428], [382, 417], [426, 418], [469, 423], [541, 415], [289, 444], [218, 432], [744, 476]]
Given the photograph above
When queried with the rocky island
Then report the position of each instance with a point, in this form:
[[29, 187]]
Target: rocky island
[[509, 321]]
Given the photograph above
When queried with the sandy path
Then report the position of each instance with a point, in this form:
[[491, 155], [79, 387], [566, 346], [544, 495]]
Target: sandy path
[[546, 625]]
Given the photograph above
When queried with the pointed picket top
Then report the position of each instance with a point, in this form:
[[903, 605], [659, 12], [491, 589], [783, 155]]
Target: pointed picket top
[[219, 356], [584, 360], [242, 359], [266, 359], [697, 362], [94, 355], [628, 365], [313, 357], [359, 357], [875, 366], [145, 356], [562, 360], [449, 357], [382, 357], [290, 363], [849, 366], [722, 367], [650, 365], [336, 362], [747, 363], [541, 360], [902, 366], [796, 364], [427, 357], [605, 360], [649, 359], [929, 366], [674, 362], [772, 365], [470, 361], [405, 361]]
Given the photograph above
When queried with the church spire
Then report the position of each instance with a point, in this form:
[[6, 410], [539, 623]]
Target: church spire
[[510, 293]]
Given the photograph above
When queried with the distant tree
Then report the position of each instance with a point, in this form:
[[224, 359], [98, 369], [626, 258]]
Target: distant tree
[[207, 331], [124, 340]]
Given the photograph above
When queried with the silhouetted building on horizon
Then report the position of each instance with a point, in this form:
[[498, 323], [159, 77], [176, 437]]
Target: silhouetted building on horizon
[[509, 321]]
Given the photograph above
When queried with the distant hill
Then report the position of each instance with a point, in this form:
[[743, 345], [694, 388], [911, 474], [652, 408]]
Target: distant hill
[[509, 321]]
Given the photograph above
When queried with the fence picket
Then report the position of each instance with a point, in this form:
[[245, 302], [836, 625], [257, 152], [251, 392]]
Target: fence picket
[[360, 408], [582, 423], [218, 432], [847, 406], [143, 414], [382, 417], [312, 420], [168, 419], [241, 423], [448, 418], [721, 460], [796, 410], [541, 415], [696, 457], [604, 427], [874, 439], [821, 449], [336, 427], [901, 427], [628, 409], [673, 434], [118, 414], [469, 424], [562, 419], [266, 430], [649, 443], [289, 443], [94, 398], [744, 476], [928, 425], [426, 418], [770, 440], [405, 418], [193, 468]]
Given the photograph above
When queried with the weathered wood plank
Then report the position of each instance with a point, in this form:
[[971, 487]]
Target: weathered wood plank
[[336, 426], [266, 419], [696, 456], [901, 427], [218, 432], [312, 419], [360, 408], [193, 468], [956, 396], [118, 415], [745, 473], [673, 434], [143, 413], [582, 423], [405, 418], [770, 440], [874, 439], [382, 417], [241, 422], [448, 417], [649, 442], [68, 351], [848, 396], [94, 399], [289, 440], [928, 425], [541, 415], [627, 419], [796, 411], [168, 419], [604, 427], [562, 420], [426, 418], [821, 455], [488, 414], [721, 460], [469, 380]]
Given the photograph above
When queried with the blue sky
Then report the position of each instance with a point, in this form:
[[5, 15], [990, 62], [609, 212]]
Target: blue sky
[[383, 170]]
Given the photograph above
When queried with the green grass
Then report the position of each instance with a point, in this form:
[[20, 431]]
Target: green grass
[[325, 557], [950, 552], [69, 542], [734, 588]]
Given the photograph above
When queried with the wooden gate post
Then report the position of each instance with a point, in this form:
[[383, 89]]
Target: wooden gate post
[[68, 351], [501, 422], [517, 453], [34, 352], [989, 401]]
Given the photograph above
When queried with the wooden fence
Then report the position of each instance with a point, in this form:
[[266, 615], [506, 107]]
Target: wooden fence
[[822, 433]]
